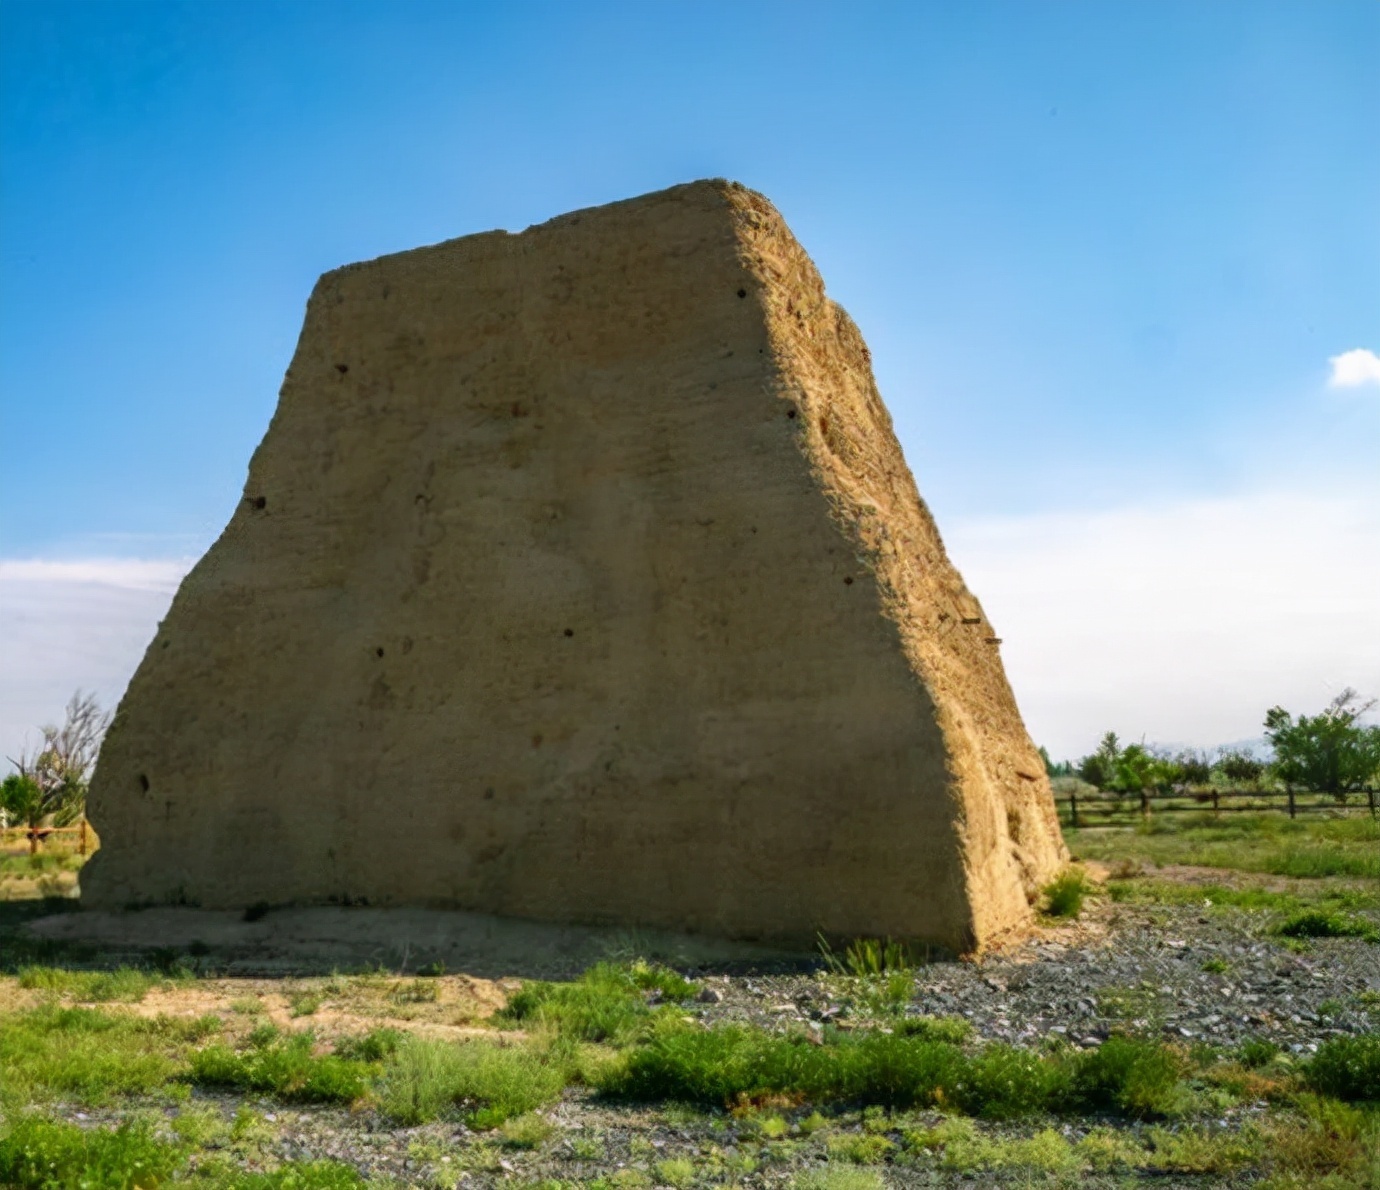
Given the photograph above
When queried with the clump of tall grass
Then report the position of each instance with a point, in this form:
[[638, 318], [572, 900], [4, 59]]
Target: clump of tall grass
[[126, 983], [609, 1002], [286, 1067], [1347, 1068], [90, 1056], [1325, 923], [1065, 894], [732, 1064], [486, 1080], [39, 1154]]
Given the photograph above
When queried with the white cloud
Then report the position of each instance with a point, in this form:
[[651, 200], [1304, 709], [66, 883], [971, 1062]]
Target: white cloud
[[1180, 622], [74, 624], [1352, 369]]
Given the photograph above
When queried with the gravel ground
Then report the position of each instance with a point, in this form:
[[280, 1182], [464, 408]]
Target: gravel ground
[[1122, 965]]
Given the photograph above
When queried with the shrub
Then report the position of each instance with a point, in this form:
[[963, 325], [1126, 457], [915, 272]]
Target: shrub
[[1256, 1052], [1065, 894], [126, 983], [607, 1003], [426, 1078], [1347, 1068], [868, 956], [1004, 1082], [1129, 1075], [1325, 923], [40, 1154], [286, 1067]]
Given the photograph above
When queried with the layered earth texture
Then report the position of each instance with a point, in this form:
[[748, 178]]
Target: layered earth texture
[[580, 578]]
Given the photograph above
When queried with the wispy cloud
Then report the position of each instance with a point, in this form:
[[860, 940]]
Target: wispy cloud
[[68, 624], [1182, 622], [1352, 369]]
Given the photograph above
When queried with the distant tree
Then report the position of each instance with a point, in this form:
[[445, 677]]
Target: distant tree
[[1240, 768], [1061, 768], [51, 782], [1330, 752], [1100, 767], [1195, 768]]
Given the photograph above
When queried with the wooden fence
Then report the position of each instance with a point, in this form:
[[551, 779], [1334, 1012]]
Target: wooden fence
[[1114, 809], [32, 837]]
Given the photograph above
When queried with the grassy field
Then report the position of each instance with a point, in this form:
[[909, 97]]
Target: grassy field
[[176, 1074]]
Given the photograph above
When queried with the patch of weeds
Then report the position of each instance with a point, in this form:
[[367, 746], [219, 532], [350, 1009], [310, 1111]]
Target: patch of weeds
[[624, 1179], [432, 970], [305, 1003], [127, 983], [1204, 1151], [1347, 1068], [952, 1029], [1216, 966], [1145, 1002], [302, 1175], [859, 1148], [1003, 1082], [676, 1171], [839, 1178], [200, 1125], [247, 1006], [865, 957], [609, 1002], [1105, 1149], [1065, 894], [528, 1131], [39, 1152], [1323, 923], [1255, 1052], [1329, 1144], [89, 1055], [426, 1078], [587, 1148], [374, 1046], [415, 991], [289, 1068], [1133, 1076]]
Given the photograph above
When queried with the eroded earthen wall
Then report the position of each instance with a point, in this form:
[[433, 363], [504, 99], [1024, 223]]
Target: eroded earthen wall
[[579, 577]]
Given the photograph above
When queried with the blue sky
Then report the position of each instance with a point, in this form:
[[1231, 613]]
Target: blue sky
[[1102, 253]]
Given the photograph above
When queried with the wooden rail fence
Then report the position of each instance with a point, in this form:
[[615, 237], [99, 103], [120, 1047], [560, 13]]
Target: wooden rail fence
[[1108, 809], [41, 834]]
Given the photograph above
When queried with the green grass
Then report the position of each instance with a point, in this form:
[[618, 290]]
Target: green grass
[[89, 1056], [1311, 846], [39, 1154], [1347, 1068], [1065, 894], [609, 1002], [1320, 923], [1144, 890], [734, 1064], [125, 983], [864, 957], [489, 1082], [286, 1067]]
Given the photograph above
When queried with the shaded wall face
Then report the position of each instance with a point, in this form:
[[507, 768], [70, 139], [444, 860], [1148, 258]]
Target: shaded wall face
[[534, 605]]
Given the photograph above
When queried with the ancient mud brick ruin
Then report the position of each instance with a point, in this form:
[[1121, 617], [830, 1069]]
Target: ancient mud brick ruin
[[580, 577]]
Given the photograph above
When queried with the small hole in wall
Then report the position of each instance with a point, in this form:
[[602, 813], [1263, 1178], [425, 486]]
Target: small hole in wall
[[143, 783], [342, 368], [570, 632], [742, 293], [379, 651], [791, 414], [848, 580], [259, 502]]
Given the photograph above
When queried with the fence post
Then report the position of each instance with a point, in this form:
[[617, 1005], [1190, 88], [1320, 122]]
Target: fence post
[[1291, 802], [1073, 807], [81, 845], [1145, 803], [33, 839], [1216, 808], [1370, 797]]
